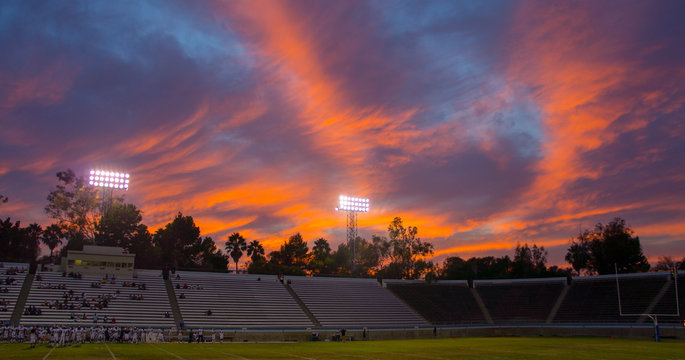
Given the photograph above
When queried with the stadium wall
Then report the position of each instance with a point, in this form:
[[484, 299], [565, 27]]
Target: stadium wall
[[630, 332]]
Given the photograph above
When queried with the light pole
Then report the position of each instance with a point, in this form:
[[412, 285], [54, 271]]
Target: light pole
[[352, 205]]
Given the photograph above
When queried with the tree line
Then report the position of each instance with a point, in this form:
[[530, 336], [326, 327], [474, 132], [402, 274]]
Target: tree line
[[82, 217]]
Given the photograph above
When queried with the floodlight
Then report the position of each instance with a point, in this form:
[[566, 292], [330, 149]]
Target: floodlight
[[108, 179], [350, 203]]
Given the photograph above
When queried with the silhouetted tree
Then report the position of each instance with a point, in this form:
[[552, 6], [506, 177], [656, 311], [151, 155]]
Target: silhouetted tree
[[148, 256], [17, 243], [407, 251], [53, 235], [529, 261], [255, 251], [668, 263], [118, 225], [293, 256], [321, 261], [609, 244], [177, 241], [235, 246]]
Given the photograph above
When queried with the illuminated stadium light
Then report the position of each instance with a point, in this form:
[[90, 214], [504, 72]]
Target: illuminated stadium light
[[356, 204], [109, 179]]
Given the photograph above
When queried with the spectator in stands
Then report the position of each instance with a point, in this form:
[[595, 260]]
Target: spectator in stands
[[209, 312], [167, 315], [182, 296]]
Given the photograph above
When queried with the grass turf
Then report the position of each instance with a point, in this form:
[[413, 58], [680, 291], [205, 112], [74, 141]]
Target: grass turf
[[460, 348]]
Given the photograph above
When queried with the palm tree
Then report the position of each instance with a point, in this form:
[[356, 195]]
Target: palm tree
[[52, 237], [255, 251], [235, 246]]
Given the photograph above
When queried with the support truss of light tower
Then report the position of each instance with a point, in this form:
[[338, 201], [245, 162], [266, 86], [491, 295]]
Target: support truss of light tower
[[108, 181], [351, 206]]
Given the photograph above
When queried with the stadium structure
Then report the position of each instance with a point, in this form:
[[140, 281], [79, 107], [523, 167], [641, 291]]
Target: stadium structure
[[272, 308]]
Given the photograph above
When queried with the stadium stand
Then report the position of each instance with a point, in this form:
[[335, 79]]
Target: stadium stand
[[341, 302], [67, 300], [236, 301], [11, 279], [595, 298], [441, 303], [667, 303], [520, 300]]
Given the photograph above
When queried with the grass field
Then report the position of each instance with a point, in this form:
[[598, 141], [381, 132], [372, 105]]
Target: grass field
[[460, 348]]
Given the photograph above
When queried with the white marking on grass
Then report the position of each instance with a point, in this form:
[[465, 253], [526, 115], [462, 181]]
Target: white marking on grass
[[351, 355], [168, 352], [229, 354], [293, 355], [48, 354], [110, 352], [415, 355]]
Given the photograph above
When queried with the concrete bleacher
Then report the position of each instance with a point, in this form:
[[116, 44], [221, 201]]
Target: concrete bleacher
[[341, 302], [666, 306], [10, 297], [442, 303], [236, 301], [595, 298], [148, 312], [520, 300]]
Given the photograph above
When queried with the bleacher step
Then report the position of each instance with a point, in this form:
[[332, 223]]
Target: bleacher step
[[173, 302], [481, 305], [21, 300], [557, 305], [302, 305]]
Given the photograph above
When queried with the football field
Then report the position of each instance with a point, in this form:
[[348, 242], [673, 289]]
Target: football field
[[460, 348]]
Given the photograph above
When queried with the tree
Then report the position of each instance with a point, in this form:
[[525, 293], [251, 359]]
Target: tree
[[407, 251], [53, 235], [668, 263], [578, 254], [293, 256], [209, 257], [321, 261], [118, 225], [17, 243], [235, 246], [148, 256], [255, 251], [606, 246], [529, 262], [74, 205], [177, 241], [489, 267]]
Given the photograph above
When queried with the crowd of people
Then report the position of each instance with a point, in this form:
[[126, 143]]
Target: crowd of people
[[64, 336], [58, 336]]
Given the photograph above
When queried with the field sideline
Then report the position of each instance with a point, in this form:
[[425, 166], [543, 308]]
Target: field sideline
[[460, 348]]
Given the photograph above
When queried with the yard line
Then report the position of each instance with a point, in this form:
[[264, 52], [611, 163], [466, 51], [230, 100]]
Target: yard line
[[415, 355], [351, 355], [110, 352], [293, 355], [229, 354], [168, 352], [48, 354]]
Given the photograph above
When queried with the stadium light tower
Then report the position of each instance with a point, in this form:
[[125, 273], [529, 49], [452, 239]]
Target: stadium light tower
[[352, 205], [108, 181]]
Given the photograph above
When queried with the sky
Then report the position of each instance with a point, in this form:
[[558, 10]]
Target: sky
[[483, 123]]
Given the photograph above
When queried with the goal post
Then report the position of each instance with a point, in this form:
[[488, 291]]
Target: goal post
[[653, 316]]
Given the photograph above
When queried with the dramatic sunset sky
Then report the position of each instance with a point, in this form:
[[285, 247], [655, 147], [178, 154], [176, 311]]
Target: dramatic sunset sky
[[484, 123]]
